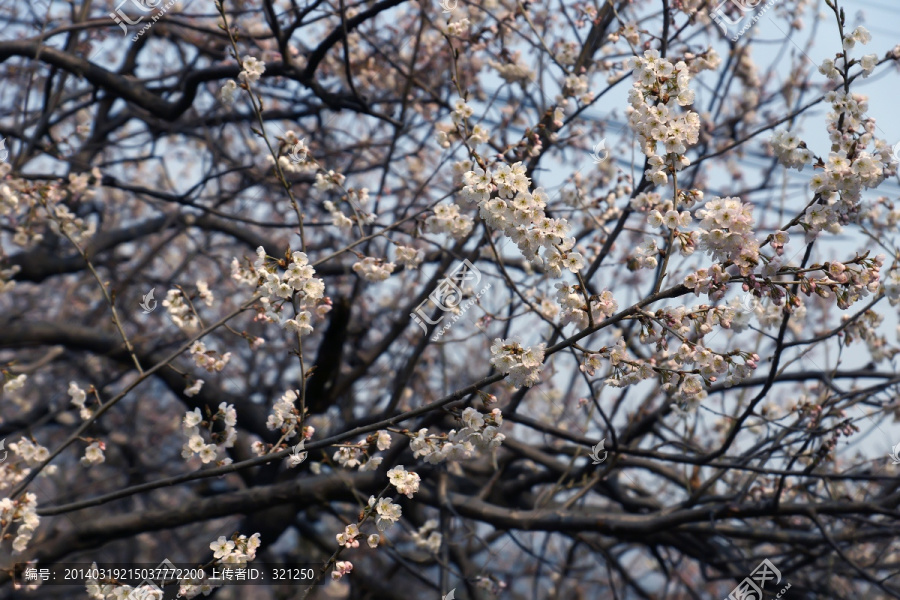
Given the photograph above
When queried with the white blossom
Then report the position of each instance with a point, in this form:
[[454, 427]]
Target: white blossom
[[523, 364], [373, 269], [253, 68], [193, 389], [93, 454], [405, 482]]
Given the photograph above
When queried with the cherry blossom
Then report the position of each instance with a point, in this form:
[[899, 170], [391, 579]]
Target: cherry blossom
[[677, 311], [523, 364]]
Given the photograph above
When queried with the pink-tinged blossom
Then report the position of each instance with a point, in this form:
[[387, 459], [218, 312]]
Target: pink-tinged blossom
[[341, 568]]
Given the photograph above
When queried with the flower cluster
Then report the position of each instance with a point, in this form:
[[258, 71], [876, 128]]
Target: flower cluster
[[296, 155], [513, 71], [252, 69], [711, 364], [93, 454], [356, 455], [180, 311], [860, 34], [447, 219], [688, 394], [644, 256], [578, 86], [427, 537], [12, 474], [13, 389], [523, 365], [356, 198], [236, 551], [341, 568], [373, 269], [347, 538], [14, 384], [329, 181], [626, 370], [62, 220], [672, 219], [226, 94], [480, 432], [892, 287], [225, 438], [457, 28], [204, 292], [849, 168], [31, 452], [338, 218], [727, 232], [27, 206], [790, 150], [24, 512], [409, 257], [712, 281], [297, 281], [566, 52], [9, 199], [207, 359], [849, 282], [574, 309], [193, 389], [78, 399], [519, 214], [405, 482], [447, 133], [866, 328], [386, 512], [6, 281], [658, 88], [285, 416]]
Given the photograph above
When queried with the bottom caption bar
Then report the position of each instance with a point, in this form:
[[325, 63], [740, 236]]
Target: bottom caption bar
[[166, 574]]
